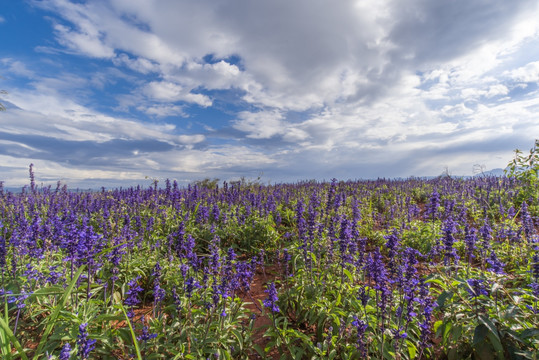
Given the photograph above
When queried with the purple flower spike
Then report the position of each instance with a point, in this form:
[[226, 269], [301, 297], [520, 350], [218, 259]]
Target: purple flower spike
[[132, 294], [478, 288], [495, 265], [85, 345], [65, 354], [361, 327], [270, 302]]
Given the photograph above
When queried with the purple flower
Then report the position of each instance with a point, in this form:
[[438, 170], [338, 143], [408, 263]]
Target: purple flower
[[470, 238], [448, 240], [132, 298], [495, 265], [432, 207], [286, 260], [428, 304], [215, 212], [4, 293], [177, 300], [392, 245], [245, 274], [20, 299], [399, 334], [535, 289], [231, 255], [158, 291], [145, 336], [485, 231], [3, 252], [477, 288], [527, 222], [85, 345], [347, 246], [361, 327], [271, 301], [363, 296], [190, 285], [65, 354], [54, 276]]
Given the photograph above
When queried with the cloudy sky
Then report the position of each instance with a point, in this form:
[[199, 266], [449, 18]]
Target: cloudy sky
[[117, 92]]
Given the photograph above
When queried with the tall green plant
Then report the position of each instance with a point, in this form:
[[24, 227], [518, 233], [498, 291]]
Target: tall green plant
[[525, 168]]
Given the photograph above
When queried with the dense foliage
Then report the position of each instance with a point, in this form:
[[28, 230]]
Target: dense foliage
[[411, 269]]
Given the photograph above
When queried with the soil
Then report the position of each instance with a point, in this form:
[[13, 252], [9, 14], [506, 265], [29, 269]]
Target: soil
[[253, 302]]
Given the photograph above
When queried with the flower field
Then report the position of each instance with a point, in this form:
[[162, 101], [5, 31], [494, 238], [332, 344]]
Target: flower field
[[444, 268]]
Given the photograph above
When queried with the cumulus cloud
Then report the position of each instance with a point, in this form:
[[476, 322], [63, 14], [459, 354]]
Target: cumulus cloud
[[527, 74], [282, 86], [85, 43], [260, 125], [170, 92]]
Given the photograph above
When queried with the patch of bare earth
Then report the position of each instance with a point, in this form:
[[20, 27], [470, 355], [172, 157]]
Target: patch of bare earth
[[253, 302]]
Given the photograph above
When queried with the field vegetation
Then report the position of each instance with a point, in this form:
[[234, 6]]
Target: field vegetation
[[446, 268]]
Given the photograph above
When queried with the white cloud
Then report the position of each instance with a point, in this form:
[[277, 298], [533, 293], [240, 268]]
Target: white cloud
[[345, 84], [15, 67], [171, 92], [260, 125], [528, 73], [496, 90], [164, 110], [139, 64], [59, 117], [456, 110], [87, 44], [218, 158]]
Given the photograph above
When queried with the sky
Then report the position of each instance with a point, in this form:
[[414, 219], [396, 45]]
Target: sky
[[123, 92]]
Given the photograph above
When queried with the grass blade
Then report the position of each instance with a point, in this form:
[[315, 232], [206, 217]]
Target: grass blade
[[52, 318], [7, 331], [137, 349], [6, 346]]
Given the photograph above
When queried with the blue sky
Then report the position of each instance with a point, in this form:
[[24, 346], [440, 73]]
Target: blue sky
[[114, 93]]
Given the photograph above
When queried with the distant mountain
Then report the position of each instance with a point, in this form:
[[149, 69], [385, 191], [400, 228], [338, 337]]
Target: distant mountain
[[493, 172]]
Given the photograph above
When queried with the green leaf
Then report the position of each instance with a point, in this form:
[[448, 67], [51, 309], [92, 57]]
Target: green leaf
[[108, 317], [480, 333], [493, 335], [349, 275], [436, 281], [239, 337], [446, 328], [6, 346], [338, 302], [495, 341], [486, 321], [12, 338], [453, 354], [50, 290], [529, 333], [298, 353], [443, 298], [483, 351], [51, 320], [457, 331], [260, 351], [437, 325], [412, 349], [133, 336]]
